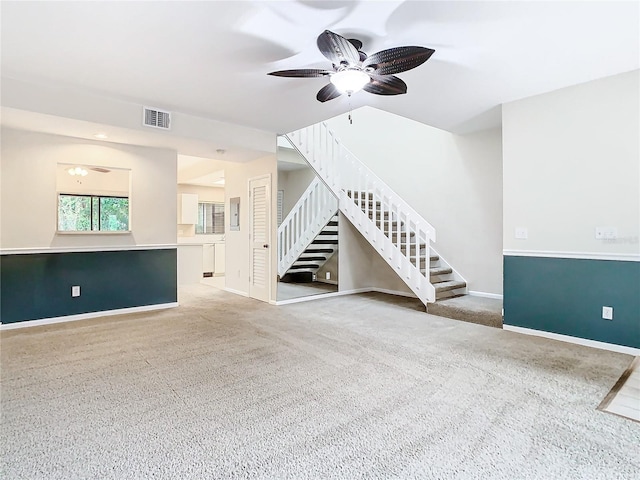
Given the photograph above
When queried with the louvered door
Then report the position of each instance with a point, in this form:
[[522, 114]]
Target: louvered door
[[259, 215]]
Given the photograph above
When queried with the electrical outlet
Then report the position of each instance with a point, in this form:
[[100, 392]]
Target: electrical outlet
[[521, 233], [606, 233], [607, 313], [327, 275], [75, 291]]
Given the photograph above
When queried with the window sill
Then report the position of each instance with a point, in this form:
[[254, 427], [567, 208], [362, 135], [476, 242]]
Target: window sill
[[127, 232]]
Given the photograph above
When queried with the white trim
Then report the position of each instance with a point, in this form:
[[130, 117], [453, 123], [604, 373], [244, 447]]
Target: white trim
[[393, 292], [104, 248], [85, 316], [623, 257], [236, 292], [346, 292], [578, 341], [323, 295], [497, 296]]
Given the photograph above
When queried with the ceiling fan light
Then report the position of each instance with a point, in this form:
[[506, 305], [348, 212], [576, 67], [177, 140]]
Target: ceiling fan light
[[77, 171], [350, 81]]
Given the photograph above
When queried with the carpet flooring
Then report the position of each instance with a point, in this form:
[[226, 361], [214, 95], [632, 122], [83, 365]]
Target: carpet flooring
[[361, 386]]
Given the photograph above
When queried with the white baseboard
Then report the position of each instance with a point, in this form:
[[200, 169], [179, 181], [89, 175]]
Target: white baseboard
[[579, 341], [321, 296], [392, 292], [345, 292], [622, 257], [236, 292], [497, 296], [85, 316], [355, 290]]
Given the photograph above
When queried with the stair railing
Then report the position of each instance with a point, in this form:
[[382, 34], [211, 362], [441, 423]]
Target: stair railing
[[373, 207], [303, 223]]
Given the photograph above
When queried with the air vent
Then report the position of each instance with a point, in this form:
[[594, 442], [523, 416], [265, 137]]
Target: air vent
[[152, 117]]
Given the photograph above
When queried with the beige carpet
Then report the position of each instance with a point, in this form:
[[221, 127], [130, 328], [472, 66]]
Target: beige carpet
[[346, 387]]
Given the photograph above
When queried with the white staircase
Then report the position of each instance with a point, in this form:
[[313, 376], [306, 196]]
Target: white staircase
[[307, 237], [398, 233]]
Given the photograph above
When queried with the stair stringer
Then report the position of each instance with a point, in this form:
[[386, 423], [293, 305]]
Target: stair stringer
[[409, 273], [315, 208]]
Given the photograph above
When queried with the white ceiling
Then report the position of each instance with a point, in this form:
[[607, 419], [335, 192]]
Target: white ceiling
[[210, 59]]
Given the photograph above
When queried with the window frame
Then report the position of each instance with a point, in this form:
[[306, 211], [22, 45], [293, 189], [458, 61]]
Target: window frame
[[213, 216], [91, 213]]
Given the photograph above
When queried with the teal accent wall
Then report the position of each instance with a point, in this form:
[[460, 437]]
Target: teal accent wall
[[566, 296], [35, 286]]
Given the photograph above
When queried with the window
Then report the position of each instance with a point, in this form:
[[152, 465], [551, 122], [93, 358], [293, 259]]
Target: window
[[210, 218], [92, 213]]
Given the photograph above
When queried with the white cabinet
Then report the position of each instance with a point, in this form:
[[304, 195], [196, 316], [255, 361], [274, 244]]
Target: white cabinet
[[208, 259], [187, 209], [219, 259]]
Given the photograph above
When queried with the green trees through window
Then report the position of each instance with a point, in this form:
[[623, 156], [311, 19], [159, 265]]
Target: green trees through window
[[92, 213]]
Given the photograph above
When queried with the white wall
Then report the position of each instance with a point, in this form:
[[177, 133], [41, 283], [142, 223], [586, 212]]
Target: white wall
[[205, 194], [237, 242], [293, 183], [354, 257], [28, 166], [571, 164], [115, 182], [453, 181], [198, 136]]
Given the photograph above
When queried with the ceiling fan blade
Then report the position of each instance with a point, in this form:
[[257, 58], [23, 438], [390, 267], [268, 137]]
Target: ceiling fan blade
[[337, 49], [356, 43], [100, 169], [301, 73], [385, 85], [396, 60], [328, 92]]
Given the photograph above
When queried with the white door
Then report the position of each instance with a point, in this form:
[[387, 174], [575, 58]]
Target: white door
[[259, 238]]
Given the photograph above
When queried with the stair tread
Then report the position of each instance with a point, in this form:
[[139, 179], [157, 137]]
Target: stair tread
[[299, 266], [449, 285], [440, 270]]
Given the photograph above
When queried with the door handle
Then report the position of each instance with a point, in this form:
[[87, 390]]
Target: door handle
[[266, 245]]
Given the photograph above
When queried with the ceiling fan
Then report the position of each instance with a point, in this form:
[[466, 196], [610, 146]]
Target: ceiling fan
[[354, 70]]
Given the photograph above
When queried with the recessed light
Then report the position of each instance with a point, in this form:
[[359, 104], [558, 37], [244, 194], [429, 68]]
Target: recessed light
[[101, 136]]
